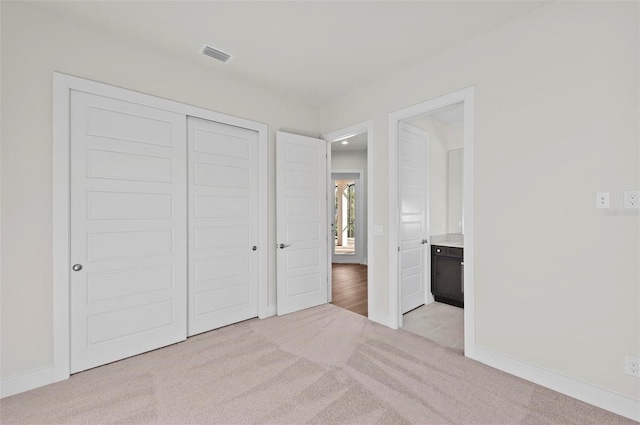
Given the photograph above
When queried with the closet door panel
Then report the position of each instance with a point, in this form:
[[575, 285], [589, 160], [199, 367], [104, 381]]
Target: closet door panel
[[128, 229], [223, 224]]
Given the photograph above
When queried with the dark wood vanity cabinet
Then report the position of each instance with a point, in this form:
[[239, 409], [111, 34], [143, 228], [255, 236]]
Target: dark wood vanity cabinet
[[447, 274]]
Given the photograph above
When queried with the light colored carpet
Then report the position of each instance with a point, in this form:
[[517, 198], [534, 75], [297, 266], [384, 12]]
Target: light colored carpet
[[323, 365]]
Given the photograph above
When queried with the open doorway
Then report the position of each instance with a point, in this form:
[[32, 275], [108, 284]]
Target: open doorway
[[348, 168], [347, 217], [437, 314], [344, 219], [431, 219]]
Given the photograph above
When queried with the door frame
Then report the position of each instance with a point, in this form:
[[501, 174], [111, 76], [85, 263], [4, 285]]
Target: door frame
[[357, 257], [62, 86], [467, 97], [374, 313]]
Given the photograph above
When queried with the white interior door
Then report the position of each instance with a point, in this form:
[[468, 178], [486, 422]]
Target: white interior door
[[414, 244], [223, 224], [301, 222], [128, 229]]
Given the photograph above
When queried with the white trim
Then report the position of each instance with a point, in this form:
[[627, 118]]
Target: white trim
[[27, 381], [334, 136], [395, 312], [358, 256], [272, 310], [61, 226], [329, 206], [599, 397], [62, 86], [468, 222], [378, 316], [263, 224]]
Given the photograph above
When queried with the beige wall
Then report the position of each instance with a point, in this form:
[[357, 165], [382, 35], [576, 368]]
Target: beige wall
[[34, 45], [557, 281], [437, 170]]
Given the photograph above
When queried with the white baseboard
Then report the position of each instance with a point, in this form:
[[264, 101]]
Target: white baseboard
[[599, 397], [270, 311], [378, 317], [25, 382]]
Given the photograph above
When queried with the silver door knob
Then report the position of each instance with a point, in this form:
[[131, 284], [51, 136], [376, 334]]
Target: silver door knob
[[77, 267], [424, 241], [283, 246], [254, 248]]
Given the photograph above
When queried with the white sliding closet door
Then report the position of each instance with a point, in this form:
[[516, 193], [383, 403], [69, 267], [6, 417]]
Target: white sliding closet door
[[128, 229], [223, 224]]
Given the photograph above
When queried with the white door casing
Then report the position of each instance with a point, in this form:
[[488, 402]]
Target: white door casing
[[465, 96], [301, 201], [374, 312], [223, 224], [128, 222], [413, 237]]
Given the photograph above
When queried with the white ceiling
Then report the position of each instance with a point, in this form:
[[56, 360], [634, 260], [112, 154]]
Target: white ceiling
[[316, 49], [357, 143]]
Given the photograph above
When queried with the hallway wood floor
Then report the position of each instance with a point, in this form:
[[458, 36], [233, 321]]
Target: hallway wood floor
[[349, 287]]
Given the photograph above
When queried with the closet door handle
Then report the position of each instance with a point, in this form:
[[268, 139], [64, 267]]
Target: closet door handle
[[282, 246]]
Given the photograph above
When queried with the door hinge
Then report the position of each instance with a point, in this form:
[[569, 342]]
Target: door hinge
[[398, 249]]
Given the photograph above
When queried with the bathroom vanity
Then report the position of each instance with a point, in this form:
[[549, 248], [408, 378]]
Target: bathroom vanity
[[447, 273]]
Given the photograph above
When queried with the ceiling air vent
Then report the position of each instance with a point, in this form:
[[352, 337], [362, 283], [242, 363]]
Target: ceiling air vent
[[215, 53]]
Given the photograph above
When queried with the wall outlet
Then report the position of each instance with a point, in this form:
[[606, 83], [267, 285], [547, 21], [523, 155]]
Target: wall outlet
[[602, 200], [631, 199], [632, 366]]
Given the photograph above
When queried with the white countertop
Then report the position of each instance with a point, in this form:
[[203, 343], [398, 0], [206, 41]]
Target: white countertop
[[454, 244], [451, 239]]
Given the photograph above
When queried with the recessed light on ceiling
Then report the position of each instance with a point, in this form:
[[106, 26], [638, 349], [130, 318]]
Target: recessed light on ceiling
[[345, 142], [215, 53]]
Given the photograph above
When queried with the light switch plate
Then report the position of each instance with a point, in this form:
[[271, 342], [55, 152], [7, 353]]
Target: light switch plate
[[602, 200], [631, 199]]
